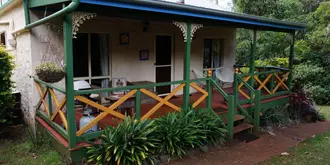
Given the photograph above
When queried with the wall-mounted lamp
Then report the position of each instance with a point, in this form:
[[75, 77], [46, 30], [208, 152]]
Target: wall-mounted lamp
[[145, 26]]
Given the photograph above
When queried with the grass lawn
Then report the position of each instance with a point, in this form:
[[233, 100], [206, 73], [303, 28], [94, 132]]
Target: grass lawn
[[21, 150], [325, 110], [313, 151]]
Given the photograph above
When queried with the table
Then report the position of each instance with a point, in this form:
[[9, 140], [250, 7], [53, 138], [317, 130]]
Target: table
[[129, 105], [126, 107]]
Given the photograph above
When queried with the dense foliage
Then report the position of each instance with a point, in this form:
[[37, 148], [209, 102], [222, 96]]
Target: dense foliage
[[6, 85], [179, 132], [130, 143], [312, 49], [133, 142], [302, 106]]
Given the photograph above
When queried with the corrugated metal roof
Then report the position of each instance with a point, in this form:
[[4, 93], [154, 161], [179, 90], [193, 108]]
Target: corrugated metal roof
[[237, 19]]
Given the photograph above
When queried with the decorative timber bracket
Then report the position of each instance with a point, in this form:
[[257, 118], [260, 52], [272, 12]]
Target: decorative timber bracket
[[78, 18], [183, 28]]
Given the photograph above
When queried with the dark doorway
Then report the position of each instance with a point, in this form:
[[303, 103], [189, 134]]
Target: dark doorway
[[163, 63]]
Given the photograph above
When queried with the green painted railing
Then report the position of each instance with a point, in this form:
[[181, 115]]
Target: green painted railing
[[233, 103], [271, 83], [47, 90], [137, 89]]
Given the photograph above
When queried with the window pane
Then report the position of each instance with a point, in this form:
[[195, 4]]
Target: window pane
[[3, 39], [207, 61], [4, 1], [80, 55], [217, 53], [100, 54]]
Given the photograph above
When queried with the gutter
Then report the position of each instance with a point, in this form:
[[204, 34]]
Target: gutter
[[70, 8]]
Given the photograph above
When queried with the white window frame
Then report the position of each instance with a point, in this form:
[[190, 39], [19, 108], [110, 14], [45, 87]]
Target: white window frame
[[4, 3], [90, 77], [6, 40]]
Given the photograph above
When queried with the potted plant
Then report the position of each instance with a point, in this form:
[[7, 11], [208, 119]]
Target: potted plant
[[50, 72]]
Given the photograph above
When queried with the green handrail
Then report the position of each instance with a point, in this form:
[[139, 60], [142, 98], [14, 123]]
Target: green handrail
[[101, 90], [223, 93], [49, 85], [62, 90], [260, 73], [246, 84]]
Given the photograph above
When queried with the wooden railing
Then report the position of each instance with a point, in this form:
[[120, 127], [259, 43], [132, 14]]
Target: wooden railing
[[136, 90], [48, 115], [233, 103], [47, 99], [272, 81]]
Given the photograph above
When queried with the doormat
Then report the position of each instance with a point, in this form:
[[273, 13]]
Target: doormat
[[246, 137]]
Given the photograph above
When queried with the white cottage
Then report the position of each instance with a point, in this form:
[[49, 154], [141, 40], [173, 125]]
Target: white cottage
[[130, 50]]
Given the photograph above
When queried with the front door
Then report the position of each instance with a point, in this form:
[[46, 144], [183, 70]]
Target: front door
[[163, 63]]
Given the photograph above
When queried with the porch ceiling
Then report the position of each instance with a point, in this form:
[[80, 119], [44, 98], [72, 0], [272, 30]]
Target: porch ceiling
[[165, 11]]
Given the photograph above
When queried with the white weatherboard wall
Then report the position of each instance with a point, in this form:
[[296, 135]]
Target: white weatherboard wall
[[125, 58]]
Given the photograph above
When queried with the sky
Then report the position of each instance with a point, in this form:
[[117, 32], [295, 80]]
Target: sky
[[223, 4]]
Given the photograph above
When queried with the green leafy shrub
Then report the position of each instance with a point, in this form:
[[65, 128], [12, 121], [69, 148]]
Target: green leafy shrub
[[307, 73], [6, 85], [280, 62], [275, 117], [50, 72], [314, 81], [130, 143], [133, 142], [179, 132], [212, 125], [318, 93]]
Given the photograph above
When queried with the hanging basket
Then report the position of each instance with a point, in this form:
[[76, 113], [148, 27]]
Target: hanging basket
[[50, 72]]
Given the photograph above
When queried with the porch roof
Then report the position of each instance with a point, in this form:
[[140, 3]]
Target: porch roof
[[199, 14]]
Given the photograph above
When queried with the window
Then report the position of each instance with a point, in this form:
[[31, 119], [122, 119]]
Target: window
[[213, 53], [91, 58], [3, 2], [3, 39]]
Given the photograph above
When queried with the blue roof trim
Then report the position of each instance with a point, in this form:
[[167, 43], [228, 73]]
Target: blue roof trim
[[184, 13]]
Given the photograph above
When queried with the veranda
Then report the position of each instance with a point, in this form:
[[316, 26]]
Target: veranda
[[251, 93]]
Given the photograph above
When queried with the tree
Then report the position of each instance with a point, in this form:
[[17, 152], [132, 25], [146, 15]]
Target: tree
[[6, 97], [312, 46]]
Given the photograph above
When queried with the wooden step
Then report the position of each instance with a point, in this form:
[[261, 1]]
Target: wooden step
[[242, 127], [236, 118], [223, 109]]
